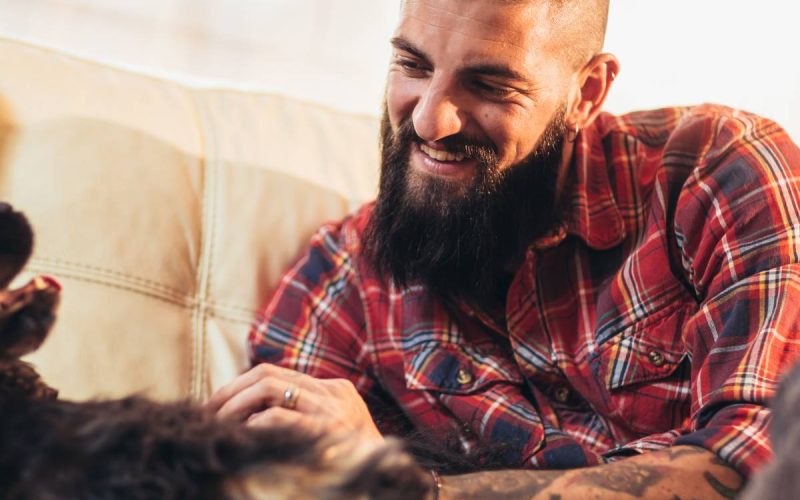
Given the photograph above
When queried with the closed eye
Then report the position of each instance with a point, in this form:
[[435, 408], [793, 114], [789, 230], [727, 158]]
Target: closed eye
[[410, 66], [492, 90]]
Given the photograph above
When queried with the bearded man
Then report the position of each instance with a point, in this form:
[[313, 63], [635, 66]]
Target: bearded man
[[612, 297]]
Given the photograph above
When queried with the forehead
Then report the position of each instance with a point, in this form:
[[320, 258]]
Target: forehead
[[519, 33]]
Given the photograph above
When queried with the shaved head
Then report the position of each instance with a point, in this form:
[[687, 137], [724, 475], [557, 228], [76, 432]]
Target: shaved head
[[579, 26]]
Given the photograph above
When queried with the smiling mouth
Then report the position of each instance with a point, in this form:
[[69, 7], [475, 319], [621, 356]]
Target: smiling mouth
[[443, 156], [454, 166]]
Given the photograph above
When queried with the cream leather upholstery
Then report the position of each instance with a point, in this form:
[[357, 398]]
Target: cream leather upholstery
[[167, 213]]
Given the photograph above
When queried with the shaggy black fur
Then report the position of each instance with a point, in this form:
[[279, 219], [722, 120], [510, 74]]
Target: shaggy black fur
[[131, 448], [16, 243], [135, 448], [26, 313]]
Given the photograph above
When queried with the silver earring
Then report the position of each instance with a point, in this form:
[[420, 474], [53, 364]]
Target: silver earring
[[572, 134]]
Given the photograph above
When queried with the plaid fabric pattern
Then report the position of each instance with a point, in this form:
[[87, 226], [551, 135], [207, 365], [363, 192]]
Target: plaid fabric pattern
[[663, 312]]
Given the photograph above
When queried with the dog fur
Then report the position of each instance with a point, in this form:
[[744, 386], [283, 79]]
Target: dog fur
[[135, 448]]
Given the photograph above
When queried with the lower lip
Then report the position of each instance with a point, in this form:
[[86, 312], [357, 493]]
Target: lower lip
[[452, 169]]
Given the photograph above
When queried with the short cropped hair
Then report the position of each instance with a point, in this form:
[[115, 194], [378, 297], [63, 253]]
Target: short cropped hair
[[580, 25]]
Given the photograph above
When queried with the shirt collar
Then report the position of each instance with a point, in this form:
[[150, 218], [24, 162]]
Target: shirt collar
[[593, 213]]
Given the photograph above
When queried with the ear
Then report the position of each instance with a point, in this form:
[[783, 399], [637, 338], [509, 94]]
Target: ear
[[590, 89]]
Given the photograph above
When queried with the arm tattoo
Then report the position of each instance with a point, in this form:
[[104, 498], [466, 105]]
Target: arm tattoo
[[619, 478], [720, 488], [623, 478], [501, 484]]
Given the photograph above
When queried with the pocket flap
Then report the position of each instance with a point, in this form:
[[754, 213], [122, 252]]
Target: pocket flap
[[634, 360], [456, 369]]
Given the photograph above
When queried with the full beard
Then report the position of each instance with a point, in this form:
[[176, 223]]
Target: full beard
[[460, 240]]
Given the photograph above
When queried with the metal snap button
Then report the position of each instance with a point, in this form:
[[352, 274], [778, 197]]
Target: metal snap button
[[463, 377], [656, 358], [561, 394]]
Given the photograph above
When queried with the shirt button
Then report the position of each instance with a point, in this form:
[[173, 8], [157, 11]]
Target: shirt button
[[463, 377], [561, 394], [656, 358]]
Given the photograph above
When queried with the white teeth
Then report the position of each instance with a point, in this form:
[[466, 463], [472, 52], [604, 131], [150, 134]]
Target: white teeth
[[441, 155]]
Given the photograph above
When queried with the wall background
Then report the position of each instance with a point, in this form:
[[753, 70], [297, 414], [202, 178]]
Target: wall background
[[335, 52]]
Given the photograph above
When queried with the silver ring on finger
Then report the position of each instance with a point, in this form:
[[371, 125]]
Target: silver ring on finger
[[290, 396]]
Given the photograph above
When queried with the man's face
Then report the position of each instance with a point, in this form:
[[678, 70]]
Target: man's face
[[473, 72], [472, 143]]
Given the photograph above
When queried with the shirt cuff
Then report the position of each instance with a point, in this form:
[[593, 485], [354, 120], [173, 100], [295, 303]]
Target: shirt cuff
[[738, 434], [647, 444], [561, 451]]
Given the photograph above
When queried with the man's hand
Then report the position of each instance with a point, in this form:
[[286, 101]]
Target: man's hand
[[259, 398]]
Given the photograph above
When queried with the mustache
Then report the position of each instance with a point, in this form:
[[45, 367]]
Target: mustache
[[484, 151]]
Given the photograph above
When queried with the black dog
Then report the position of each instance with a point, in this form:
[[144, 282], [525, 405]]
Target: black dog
[[139, 449]]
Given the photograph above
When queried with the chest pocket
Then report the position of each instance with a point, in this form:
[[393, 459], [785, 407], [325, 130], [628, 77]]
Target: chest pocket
[[645, 375], [480, 391], [455, 369]]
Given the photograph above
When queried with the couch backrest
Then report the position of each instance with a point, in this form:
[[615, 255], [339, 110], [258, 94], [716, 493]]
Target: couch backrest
[[168, 213]]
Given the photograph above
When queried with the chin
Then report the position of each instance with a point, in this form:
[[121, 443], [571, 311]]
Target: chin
[[426, 189]]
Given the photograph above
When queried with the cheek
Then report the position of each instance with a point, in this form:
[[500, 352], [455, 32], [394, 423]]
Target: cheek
[[506, 130], [402, 95], [515, 131]]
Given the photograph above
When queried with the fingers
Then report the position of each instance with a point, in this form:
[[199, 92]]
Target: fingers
[[260, 397], [251, 399], [263, 387], [266, 393], [274, 416], [247, 379], [281, 417], [239, 384]]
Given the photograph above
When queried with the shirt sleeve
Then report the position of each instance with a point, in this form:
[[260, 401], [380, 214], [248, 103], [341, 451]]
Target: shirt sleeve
[[314, 322], [737, 228]]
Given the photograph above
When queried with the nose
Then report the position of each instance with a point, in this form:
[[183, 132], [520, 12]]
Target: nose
[[437, 114]]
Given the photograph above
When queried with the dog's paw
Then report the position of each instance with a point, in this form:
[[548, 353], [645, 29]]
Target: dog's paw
[[19, 380], [26, 316]]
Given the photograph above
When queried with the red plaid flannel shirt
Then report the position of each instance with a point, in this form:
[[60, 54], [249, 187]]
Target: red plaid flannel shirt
[[664, 311]]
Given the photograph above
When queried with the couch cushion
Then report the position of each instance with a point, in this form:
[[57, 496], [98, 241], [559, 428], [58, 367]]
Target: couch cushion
[[168, 213]]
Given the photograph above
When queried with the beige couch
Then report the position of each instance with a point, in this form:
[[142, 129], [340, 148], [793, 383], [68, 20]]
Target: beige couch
[[168, 213]]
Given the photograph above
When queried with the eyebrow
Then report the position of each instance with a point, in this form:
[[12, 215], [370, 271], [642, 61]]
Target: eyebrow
[[405, 45], [499, 70], [486, 69]]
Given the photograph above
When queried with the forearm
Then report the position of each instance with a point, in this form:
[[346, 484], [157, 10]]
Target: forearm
[[678, 473]]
